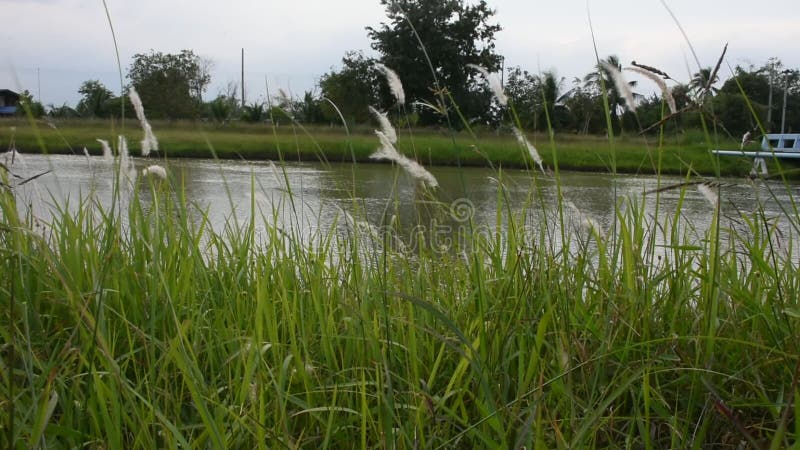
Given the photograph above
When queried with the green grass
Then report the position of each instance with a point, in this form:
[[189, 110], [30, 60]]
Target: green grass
[[135, 326], [632, 154]]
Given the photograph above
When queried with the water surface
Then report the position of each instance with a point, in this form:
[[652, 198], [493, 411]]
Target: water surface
[[309, 197]]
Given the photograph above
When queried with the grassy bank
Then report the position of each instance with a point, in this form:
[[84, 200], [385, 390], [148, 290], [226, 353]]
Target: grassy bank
[[629, 153], [134, 326]]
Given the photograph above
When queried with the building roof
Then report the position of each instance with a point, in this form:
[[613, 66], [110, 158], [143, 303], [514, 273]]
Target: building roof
[[9, 93]]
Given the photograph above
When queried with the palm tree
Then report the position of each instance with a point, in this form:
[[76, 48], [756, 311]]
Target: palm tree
[[551, 88], [701, 86], [553, 97]]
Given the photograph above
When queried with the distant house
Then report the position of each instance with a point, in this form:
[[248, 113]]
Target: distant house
[[8, 102]]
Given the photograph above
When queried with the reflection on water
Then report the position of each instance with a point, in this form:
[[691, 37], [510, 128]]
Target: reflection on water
[[310, 197]]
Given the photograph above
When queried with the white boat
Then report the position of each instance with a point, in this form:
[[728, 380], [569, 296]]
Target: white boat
[[774, 145]]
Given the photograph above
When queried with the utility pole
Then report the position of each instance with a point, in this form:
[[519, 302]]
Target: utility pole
[[769, 102], [786, 74], [503, 72], [243, 77]]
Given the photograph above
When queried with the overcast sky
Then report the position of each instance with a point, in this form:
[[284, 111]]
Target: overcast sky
[[291, 43]]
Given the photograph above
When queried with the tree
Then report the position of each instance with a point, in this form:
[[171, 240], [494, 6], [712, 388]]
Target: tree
[[115, 105], [309, 110], [254, 113], [95, 100], [28, 104], [554, 103], [62, 112], [755, 84], [524, 92], [792, 98], [352, 88], [221, 108], [734, 114], [170, 86], [585, 108], [454, 34], [533, 95]]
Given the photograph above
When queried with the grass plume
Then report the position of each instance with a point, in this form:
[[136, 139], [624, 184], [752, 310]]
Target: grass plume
[[494, 84], [666, 93], [386, 126], [126, 173], [108, 155], [149, 142], [526, 144], [710, 191], [155, 171], [395, 85], [652, 69], [621, 84], [388, 152]]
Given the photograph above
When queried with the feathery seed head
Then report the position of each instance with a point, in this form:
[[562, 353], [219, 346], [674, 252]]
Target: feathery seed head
[[388, 152], [107, 155], [621, 84], [710, 193], [149, 142], [494, 84], [395, 85], [587, 222], [155, 171], [523, 141], [665, 91], [136, 101], [126, 172], [746, 139], [386, 126]]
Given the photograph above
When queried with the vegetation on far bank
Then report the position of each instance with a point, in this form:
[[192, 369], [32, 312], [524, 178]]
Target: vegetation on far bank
[[444, 89], [489, 148]]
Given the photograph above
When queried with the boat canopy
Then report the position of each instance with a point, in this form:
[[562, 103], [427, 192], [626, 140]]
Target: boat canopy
[[781, 143]]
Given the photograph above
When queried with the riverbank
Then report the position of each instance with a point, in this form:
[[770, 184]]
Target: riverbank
[[629, 153]]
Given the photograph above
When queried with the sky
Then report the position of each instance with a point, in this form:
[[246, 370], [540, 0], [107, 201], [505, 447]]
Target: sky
[[51, 46]]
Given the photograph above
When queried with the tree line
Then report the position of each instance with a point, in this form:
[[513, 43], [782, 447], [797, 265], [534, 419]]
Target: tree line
[[431, 45]]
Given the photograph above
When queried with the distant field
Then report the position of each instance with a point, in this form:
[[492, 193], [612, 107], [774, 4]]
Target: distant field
[[630, 153]]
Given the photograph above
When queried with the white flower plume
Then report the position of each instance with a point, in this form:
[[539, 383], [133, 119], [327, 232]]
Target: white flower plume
[[587, 222], [708, 191], [386, 125], [494, 84], [394, 83], [107, 155], [621, 84], [388, 152], [665, 92], [155, 171], [523, 141], [149, 142], [126, 172]]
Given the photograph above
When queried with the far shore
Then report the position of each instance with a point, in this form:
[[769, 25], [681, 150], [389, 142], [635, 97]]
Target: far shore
[[679, 154]]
